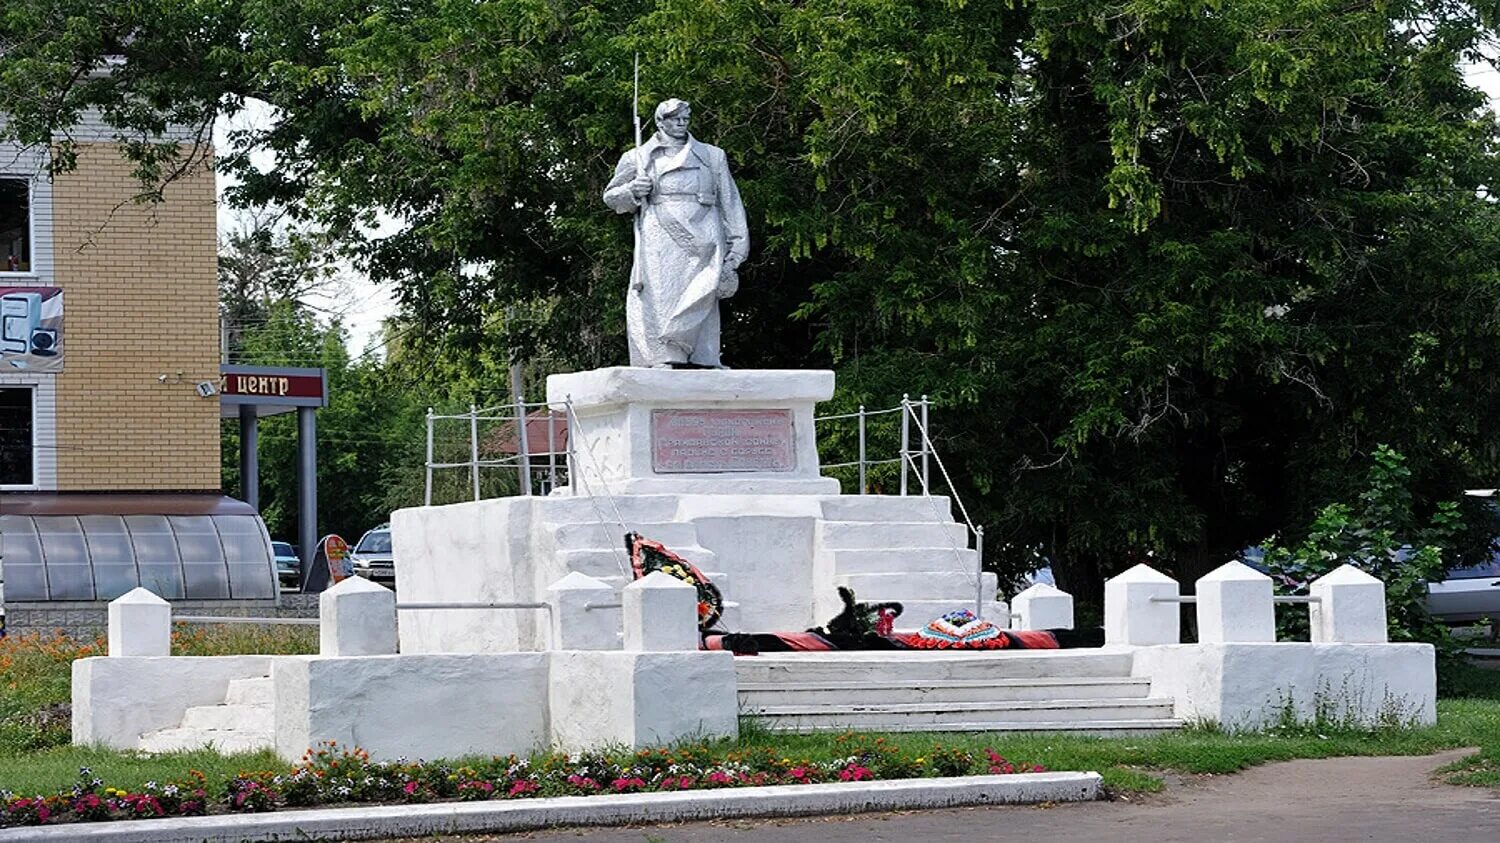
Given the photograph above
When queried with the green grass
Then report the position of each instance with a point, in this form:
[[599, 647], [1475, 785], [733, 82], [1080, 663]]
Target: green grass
[[36, 676], [35, 757], [51, 770], [1135, 764]]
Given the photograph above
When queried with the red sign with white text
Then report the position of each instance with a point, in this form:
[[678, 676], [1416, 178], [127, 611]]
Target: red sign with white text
[[272, 386]]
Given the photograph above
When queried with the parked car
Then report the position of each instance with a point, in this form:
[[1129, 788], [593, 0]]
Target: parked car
[[1468, 594], [372, 556], [288, 566]]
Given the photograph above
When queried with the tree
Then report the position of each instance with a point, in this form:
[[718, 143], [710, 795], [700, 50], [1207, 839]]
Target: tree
[[1169, 268]]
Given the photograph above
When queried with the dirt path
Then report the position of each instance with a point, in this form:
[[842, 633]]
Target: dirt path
[[1329, 800]]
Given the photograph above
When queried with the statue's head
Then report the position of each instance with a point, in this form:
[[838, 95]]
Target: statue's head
[[672, 118]]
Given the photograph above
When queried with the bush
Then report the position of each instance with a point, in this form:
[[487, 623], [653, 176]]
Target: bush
[[1381, 534]]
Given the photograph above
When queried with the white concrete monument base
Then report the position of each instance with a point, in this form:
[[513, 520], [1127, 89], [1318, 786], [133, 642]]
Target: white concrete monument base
[[716, 432], [1252, 686], [640, 699], [721, 467]]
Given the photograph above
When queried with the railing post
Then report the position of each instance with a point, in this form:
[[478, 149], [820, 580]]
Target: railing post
[[862, 486], [979, 574], [140, 624], [572, 445], [523, 448], [427, 499], [905, 437], [551, 451], [926, 447], [474, 448]]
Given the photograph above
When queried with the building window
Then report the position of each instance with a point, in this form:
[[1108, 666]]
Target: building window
[[17, 437], [15, 226]]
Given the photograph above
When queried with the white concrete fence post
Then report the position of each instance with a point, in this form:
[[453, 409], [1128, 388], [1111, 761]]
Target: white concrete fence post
[[1235, 605], [574, 625], [1042, 606], [357, 618], [661, 614], [1130, 614], [1349, 609], [140, 624]]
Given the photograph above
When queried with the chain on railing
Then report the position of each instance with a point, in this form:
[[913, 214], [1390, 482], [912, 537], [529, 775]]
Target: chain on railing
[[928, 450]]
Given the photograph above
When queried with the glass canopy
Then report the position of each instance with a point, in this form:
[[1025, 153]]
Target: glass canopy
[[100, 557]]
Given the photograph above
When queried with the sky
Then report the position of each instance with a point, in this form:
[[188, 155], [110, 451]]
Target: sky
[[361, 303]]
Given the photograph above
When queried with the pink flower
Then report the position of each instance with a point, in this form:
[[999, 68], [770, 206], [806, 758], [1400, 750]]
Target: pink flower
[[855, 773], [523, 787], [410, 788]]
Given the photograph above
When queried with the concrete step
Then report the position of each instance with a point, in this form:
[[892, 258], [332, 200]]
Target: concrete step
[[880, 717], [565, 509], [593, 535], [754, 694], [887, 508], [922, 585], [884, 560], [928, 666], [1093, 728], [226, 742], [247, 718], [606, 562], [839, 535], [257, 691]]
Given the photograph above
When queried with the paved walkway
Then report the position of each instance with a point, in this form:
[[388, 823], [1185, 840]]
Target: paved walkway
[[1342, 799]]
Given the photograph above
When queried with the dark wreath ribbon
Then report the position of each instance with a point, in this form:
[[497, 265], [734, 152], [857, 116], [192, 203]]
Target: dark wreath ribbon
[[647, 556]]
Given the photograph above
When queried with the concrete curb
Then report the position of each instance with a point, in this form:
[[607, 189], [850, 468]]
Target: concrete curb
[[381, 821]]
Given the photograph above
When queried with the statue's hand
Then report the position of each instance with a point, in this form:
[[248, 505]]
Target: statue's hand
[[729, 281], [640, 188]]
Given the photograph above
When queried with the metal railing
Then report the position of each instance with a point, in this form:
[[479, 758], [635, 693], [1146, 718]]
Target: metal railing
[[556, 472], [522, 420], [914, 462], [430, 606], [216, 619], [1278, 598]]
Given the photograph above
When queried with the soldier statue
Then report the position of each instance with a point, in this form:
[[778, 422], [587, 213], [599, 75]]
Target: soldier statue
[[690, 238]]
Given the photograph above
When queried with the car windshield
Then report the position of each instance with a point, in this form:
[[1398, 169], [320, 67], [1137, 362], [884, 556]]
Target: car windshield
[[282, 549], [1474, 572], [375, 542]]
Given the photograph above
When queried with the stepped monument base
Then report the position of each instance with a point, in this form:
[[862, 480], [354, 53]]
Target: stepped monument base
[[720, 466]]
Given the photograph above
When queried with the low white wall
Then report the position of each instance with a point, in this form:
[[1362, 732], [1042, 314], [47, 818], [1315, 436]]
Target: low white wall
[[1250, 686], [477, 552], [770, 557], [600, 698], [413, 706], [117, 699]]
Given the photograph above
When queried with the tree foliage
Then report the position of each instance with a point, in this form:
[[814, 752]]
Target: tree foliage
[[1381, 535], [1170, 268]]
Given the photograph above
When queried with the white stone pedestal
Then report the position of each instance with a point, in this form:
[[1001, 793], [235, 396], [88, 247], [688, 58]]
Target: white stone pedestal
[[696, 431]]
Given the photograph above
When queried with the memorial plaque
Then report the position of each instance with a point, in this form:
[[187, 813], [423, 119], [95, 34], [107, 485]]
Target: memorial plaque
[[712, 441]]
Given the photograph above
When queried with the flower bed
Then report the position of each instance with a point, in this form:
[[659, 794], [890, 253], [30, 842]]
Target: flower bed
[[331, 775]]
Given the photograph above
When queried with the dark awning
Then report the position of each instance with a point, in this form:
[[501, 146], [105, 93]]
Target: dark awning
[[119, 503]]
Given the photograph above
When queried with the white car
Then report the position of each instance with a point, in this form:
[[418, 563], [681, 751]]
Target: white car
[[1468, 594], [372, 557]]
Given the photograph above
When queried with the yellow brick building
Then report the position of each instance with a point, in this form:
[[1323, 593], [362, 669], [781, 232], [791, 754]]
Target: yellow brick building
[[141, 296], [109, 391]]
